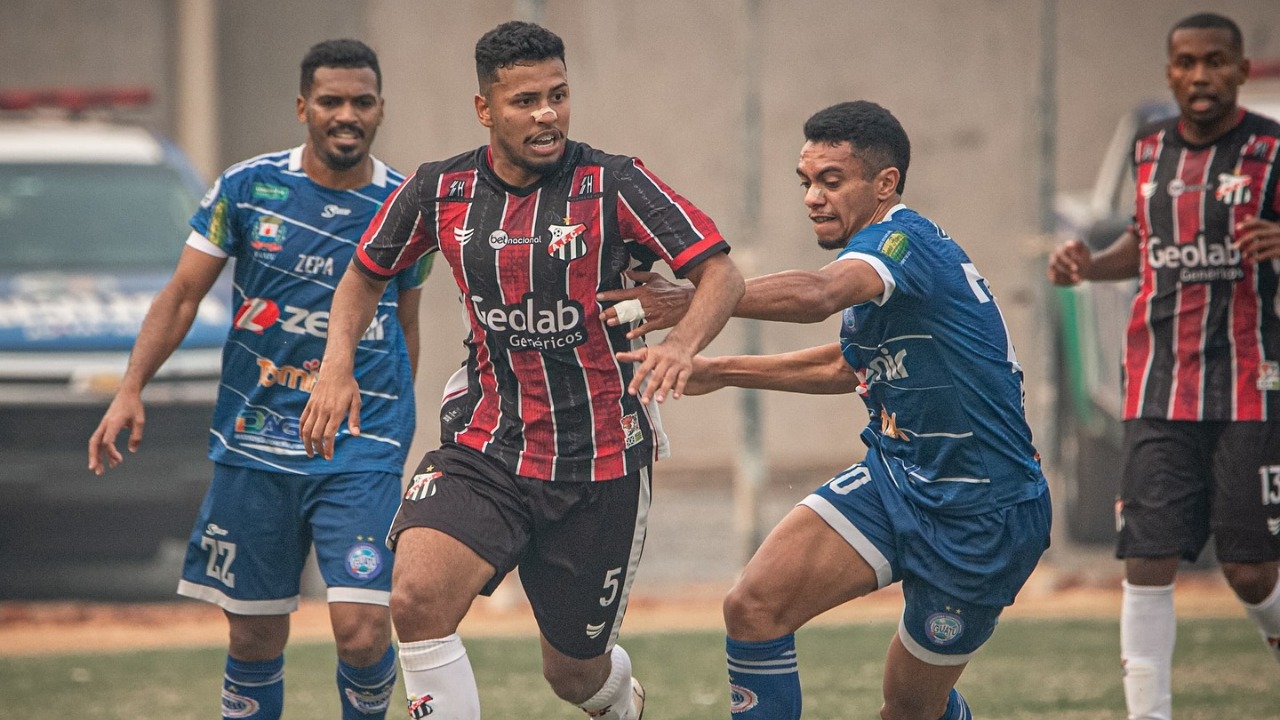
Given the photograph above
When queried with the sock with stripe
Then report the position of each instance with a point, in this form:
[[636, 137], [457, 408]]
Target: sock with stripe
[[366, 691], [764, 679], [613, 701], [1266, 615], [957, 708], [253, 689]]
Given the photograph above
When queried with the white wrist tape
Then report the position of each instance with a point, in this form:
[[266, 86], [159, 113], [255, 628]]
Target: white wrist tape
[[629, 311]]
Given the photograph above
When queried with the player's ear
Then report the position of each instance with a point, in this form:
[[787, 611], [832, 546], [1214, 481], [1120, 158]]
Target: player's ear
[[300, 106], [483, 112], [886, 182]]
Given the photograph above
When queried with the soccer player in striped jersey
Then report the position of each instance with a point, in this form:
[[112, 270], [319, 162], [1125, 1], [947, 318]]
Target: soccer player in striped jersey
[[1202, 354], [545, 462], [949, 500], [291, 221]]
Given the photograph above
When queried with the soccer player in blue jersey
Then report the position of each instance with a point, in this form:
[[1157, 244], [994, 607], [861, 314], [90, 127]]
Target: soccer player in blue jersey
[[291, 221], [949, 500]]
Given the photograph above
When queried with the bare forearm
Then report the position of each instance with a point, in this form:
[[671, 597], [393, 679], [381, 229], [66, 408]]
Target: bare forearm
[[816, 371], [354, 304], [719, 288], [165, 325], [1118, 261]]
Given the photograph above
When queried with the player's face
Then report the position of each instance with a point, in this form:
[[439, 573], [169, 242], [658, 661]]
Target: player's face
[[1205, 73], [342, 115], [840, 198], [527, 113]]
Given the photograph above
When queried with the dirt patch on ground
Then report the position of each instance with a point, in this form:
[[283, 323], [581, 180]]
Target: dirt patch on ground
[[61, 627]]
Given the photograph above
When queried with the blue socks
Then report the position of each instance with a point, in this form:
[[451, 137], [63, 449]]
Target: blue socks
[[366, 691], [957, 708], [764, 680], [253, 689]]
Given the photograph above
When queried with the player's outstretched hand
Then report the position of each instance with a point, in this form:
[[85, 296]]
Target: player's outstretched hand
[[663, 371], [662, 303], [1069, 263], [125, 412], [334, 398], [1258, 240], [704, 378]]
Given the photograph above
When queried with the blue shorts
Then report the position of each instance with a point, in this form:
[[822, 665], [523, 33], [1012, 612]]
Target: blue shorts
[[958, 572], [255, 529]]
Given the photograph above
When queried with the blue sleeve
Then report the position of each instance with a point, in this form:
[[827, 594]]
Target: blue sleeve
[[214, 219], [888, 247]]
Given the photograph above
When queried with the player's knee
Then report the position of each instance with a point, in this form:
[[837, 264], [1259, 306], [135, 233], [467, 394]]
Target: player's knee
[[1252, 582], [422, 610], [749, 616], [574, 681], [362, 641], [257, 638]]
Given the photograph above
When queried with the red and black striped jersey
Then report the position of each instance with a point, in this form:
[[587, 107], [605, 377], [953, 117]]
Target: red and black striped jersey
[[1203, 340], [543, 393]]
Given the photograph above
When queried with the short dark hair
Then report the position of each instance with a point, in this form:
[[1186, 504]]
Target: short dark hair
[[514, 43], [343, 53], [875, 135], [1209, 21]]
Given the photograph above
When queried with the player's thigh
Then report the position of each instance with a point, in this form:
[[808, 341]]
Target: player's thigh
[[463, 495], [1166, 488], [582, 559], [249, 543], [1246, 503], [803, 568], [350, 514]]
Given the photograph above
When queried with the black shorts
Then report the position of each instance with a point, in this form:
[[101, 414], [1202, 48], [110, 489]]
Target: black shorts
[[1184, 480], [577, 544]]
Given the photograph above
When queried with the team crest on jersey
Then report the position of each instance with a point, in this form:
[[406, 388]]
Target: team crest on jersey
[[1269, 375], [1233, 189], [423, 484], [567, 241], [895, 245], [268, 237], [944, 628], [631, 432], [363, 561]]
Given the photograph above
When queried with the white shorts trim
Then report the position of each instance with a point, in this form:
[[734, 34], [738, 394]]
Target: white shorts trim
[[282, 606], [926, 655], [364, 596], [853, 536]]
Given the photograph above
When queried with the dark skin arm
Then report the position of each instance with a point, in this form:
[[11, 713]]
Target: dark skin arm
[[1073, 263]]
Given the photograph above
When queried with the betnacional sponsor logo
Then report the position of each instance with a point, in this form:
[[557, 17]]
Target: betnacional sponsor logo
[[499, 239], [533, 323], [1196, 262]]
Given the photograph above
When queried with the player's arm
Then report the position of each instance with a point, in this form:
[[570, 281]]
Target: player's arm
[[664, 368], [336, 395], [170, 316], [801, 296], [1072, 262], [407, 313], [818, 370]]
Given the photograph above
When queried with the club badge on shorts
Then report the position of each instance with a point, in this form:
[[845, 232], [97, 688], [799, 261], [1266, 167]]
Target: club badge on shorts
[[363, 561]]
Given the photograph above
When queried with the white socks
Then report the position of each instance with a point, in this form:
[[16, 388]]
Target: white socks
[[1267, 616], [1148, 629], [613, 701], [438, 679]]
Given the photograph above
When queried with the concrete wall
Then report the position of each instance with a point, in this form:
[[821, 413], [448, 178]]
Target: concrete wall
[[662, 80]]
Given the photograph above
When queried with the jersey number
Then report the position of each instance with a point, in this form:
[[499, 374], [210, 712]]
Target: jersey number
[[611, 585], [982, 291], [221, 555], [850, 481]]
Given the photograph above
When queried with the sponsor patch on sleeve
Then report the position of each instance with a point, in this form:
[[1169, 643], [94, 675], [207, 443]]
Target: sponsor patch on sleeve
[[894, 245]]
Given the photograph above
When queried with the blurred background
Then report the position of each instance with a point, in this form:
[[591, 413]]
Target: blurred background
[[1008, 104]]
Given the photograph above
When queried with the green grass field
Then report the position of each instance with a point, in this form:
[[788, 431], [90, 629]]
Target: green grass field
[[1062, 669]]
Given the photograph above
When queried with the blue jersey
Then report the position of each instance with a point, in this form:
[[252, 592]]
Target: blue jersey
[[291, 240], [943, 386]]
